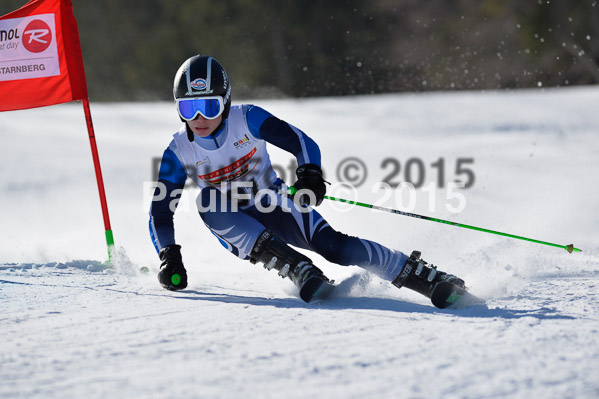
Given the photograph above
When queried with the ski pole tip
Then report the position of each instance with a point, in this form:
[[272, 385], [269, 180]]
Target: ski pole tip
[[570, 248]]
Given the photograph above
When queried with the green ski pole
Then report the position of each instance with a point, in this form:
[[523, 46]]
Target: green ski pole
[[570, 247]]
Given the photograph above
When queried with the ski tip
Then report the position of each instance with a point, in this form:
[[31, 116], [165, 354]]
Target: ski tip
[[447, 295], [316, 289]]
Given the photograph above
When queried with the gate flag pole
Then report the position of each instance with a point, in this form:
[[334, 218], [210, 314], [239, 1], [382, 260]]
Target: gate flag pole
[[100, 181]]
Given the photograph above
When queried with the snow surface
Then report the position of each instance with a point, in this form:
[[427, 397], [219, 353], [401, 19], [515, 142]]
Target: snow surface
[[72, 328]]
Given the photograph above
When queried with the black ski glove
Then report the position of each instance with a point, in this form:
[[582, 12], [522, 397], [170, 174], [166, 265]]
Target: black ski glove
[[309, 177], [172, 275]]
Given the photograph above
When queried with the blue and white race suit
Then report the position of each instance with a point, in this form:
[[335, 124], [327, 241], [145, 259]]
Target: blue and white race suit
[[236, 153]]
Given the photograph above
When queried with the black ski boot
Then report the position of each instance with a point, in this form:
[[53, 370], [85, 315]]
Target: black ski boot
[[417, 276], [275, 254]]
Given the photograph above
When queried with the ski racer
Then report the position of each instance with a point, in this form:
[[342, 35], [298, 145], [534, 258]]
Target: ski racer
[[223, 149]]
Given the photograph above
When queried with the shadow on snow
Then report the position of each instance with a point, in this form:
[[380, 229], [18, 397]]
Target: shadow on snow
[[369, 303]]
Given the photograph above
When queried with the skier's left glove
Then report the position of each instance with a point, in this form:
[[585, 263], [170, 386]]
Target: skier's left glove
[[309, 177], [172, 274]]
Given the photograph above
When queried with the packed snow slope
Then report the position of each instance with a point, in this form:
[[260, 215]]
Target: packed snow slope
[[73, 328]]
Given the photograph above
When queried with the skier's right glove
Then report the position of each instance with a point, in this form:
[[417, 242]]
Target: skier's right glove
[[309, 177], [172, 275]]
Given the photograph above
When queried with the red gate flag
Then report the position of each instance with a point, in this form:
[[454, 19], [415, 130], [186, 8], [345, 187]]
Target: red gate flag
[[41, 64], [40, 56]]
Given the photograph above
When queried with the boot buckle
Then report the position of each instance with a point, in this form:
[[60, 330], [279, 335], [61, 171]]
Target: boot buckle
[[284, 270], [432, 274], [419, 269], [271, 263]]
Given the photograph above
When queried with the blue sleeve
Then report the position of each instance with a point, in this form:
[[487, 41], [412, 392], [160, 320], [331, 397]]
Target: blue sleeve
[[171, 168], [171, 181], [265, 126]]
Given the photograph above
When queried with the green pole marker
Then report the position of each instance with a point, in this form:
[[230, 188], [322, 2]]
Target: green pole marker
[[176, 279], [570, 247], [110, 245]]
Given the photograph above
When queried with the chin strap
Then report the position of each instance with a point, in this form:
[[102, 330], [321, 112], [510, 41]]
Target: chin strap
[[189, 132]]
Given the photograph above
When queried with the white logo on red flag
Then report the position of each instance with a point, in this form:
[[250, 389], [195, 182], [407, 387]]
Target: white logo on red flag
[[28, 48], [37, 36]]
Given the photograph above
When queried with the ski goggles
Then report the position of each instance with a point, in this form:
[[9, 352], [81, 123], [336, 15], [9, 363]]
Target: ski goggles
[[208, 107]]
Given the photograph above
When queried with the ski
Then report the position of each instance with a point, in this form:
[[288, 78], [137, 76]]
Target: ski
[[448, 295], [316, 288]]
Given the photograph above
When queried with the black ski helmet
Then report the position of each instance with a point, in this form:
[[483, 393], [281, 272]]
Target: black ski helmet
[[203, 76]]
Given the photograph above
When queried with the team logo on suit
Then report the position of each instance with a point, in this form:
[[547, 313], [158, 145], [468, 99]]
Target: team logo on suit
[[234, 171]]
